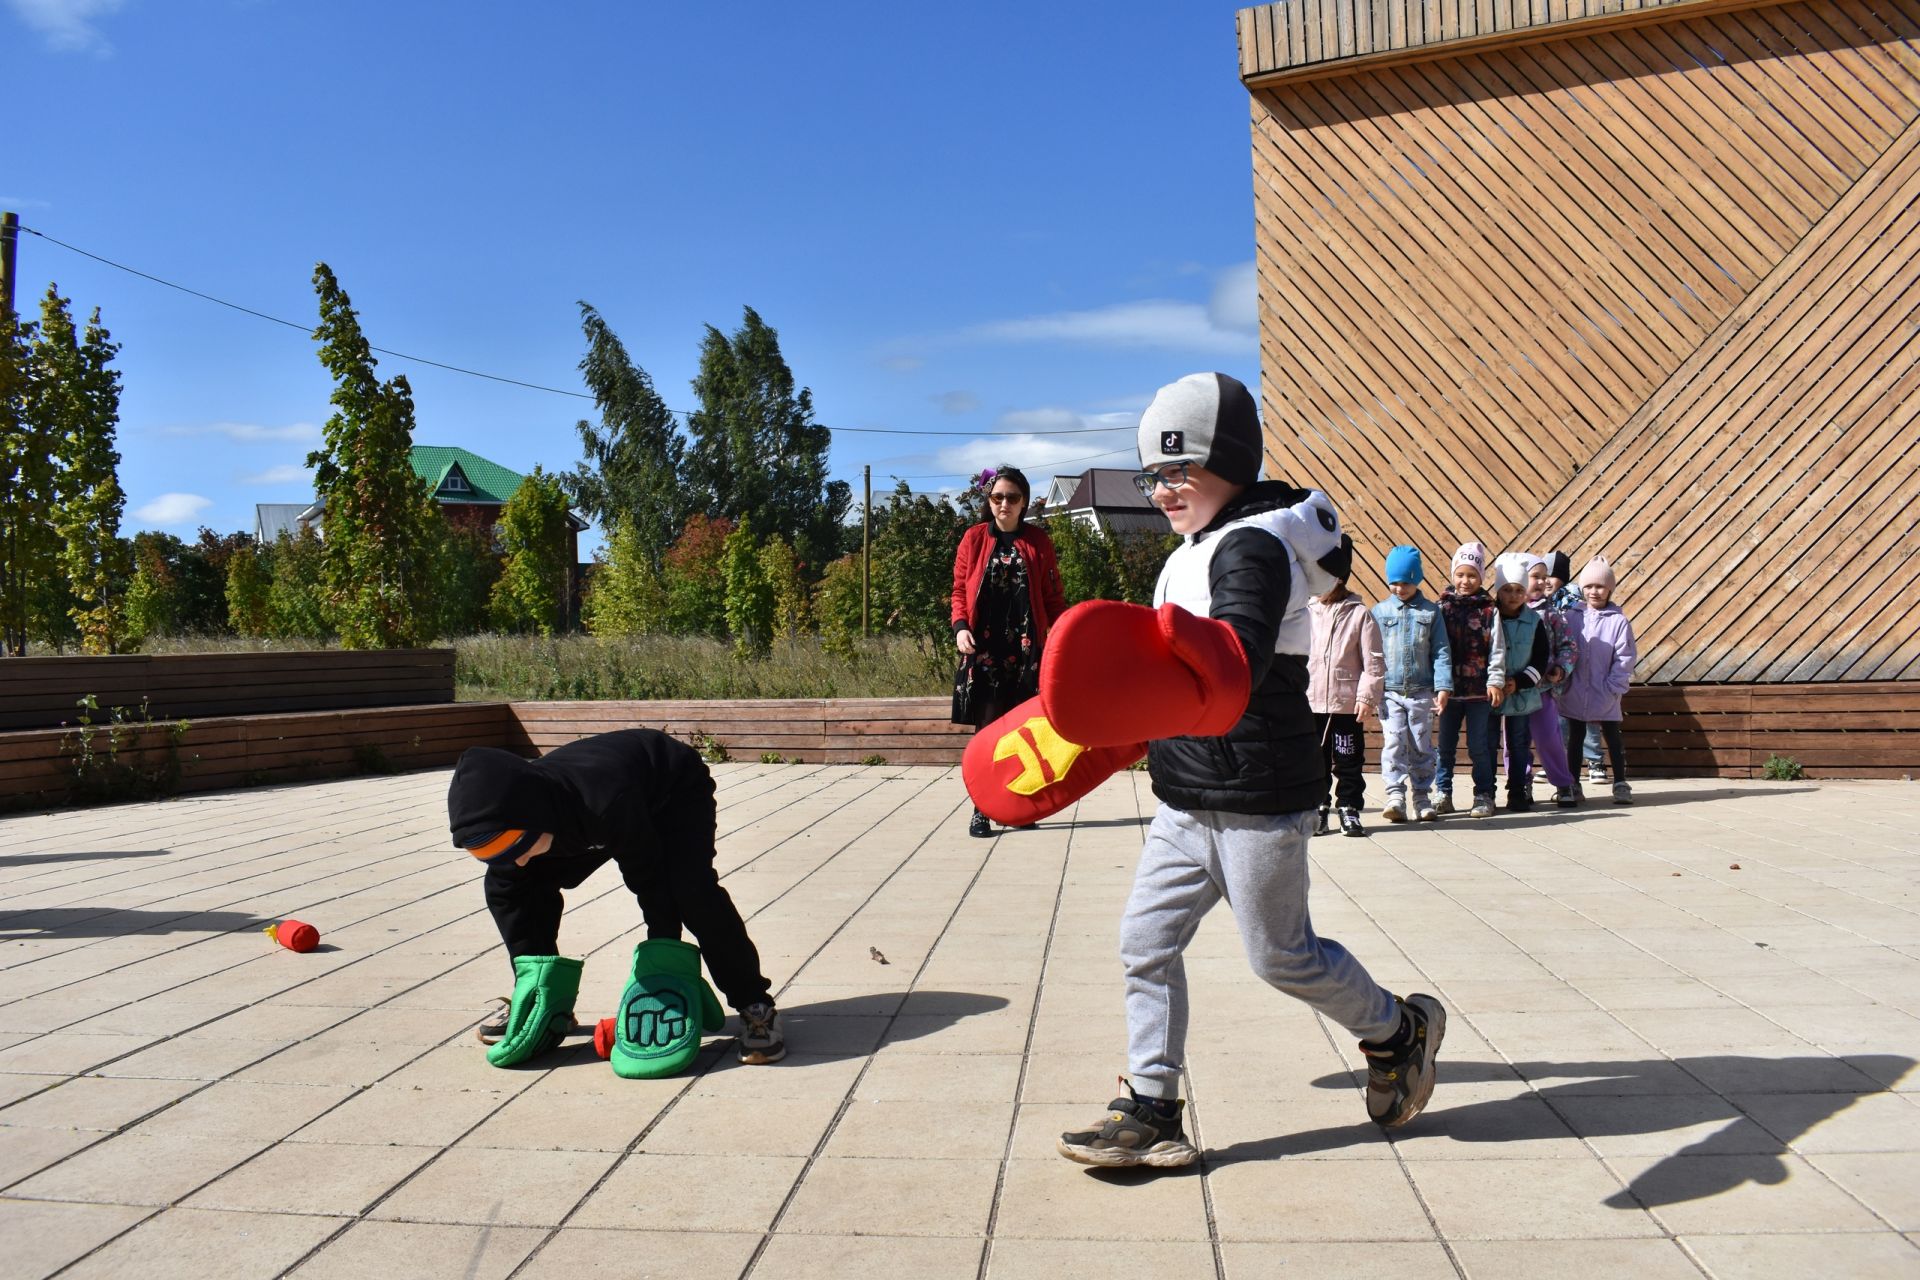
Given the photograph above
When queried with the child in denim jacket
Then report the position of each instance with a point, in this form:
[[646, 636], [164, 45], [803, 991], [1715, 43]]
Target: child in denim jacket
[[1419, 682]]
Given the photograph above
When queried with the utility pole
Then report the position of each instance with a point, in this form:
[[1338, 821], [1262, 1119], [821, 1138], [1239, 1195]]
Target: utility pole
[[866, 545], [9, 249]]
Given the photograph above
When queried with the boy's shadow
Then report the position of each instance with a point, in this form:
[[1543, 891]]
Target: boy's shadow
[[1748, 1152]]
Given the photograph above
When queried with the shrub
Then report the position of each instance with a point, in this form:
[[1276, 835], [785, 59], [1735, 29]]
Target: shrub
[[1782, 769]]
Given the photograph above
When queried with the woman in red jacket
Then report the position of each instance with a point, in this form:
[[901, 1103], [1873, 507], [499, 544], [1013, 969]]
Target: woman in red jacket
[[1006, 596]]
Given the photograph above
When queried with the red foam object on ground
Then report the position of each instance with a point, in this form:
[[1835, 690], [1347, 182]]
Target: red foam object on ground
[[603, 1037], [295, 935]]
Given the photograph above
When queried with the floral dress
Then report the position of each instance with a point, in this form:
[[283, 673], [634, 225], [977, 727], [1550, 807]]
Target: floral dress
[[1006, 663]]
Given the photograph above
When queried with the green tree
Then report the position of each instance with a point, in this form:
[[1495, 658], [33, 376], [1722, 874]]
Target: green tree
[[1086, 567], [87, 516], [791, 606], [749, 595], [913, 551], [29, 448], [626, 596], [468, 568], [631, 474], [836, 606], [1137, 555], [154, 597], [297, 593], [694, 573], [531, 594], [379, 542], [757, 453], [248, 582]]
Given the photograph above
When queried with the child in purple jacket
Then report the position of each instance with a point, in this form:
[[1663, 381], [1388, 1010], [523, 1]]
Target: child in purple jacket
[[1603, 642]]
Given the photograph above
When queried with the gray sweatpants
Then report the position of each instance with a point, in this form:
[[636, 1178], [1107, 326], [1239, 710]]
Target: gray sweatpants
[[1258, 864], [1406, 744]]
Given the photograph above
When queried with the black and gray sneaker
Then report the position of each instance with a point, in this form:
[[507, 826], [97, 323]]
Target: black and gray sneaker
[[760, 1038], [1350, 823], [1325, 825], [1566, 797], [1131, 1134], [979, 826], [492, 1027], [1400, 1071]]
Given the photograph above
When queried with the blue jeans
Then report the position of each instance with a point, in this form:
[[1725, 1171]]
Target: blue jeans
[[1479, 746]]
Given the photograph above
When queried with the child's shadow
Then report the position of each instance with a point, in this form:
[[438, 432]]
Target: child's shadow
[[1627, 1098]]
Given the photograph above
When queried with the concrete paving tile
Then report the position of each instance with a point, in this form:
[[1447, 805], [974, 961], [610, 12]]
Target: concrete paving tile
[[917, 1197], [388, 1115], [707, 1125], [197, 1244], [1884, 1180], [1835, 1122], [1879, 1255], [189, 1057], [822, 1257], [43, 1236], [1721, 1195], [1288, 1260], [915, 1077], [1002, 1032], [1773, 1071], [1052, 1198], [485, 1186], [239, 1109], [1662, 1124], [798, 1075], [15, 1087], [580, 1253], [331, 1060], [1316, 1200], [1565, 1199], [430, 1251], [565, 1122], [1526, 1259], [1016, 1259], [460, 1065], [313, 1178], [903, 1130], [24, 1152], [1325, 1125], [1653, 993], [692, 1193], [140, 1169], [91, 1102], [68, 1053], [1488, 1121]]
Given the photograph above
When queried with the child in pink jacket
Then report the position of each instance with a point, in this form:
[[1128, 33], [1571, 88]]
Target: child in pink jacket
[[1346, 671]]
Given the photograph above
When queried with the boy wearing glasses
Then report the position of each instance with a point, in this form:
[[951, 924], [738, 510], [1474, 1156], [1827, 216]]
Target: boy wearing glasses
[[1234, 761]]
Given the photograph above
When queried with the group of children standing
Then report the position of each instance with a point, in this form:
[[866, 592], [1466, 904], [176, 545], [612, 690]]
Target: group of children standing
[[1513, 654]]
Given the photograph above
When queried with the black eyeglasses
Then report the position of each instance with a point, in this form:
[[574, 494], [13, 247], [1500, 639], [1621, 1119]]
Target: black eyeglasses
[[998, 498], [1173, 475]]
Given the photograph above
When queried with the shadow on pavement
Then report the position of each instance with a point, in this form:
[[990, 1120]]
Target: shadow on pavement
[[1615, 1099], [98, 922], [35, 859]]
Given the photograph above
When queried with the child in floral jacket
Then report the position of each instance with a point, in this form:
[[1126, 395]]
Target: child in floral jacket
[[1479, 678]]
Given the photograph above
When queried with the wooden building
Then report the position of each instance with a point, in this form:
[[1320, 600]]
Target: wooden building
[[1632, 277]]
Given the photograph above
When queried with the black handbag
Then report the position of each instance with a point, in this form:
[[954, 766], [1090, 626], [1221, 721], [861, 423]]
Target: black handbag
[[963, 691]]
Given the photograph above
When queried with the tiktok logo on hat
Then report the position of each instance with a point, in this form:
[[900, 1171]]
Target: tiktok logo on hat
[[1172, 441]]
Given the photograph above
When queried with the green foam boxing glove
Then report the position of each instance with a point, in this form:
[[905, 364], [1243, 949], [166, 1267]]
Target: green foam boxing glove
[[544, 989], [666, 1007]]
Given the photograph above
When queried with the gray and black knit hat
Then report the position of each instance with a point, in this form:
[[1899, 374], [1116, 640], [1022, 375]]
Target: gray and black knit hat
[[1204, 418]]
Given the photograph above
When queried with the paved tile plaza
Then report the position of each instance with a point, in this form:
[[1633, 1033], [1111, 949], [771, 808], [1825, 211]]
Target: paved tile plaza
[[1683, 1041]]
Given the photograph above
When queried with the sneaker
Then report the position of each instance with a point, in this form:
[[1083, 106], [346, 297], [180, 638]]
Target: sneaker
[[1519, 801], [760, 1038], [1350, 823], [1396, 810], [493, 1023], [1428, 813], [1596, 774], [1400, 1075], [1482, 807], [1131, 1134], [1444, 804], [1622, 793], [979, 826], [1324, 826], [1566, 797]]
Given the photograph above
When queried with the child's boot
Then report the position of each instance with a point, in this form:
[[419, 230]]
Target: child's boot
[[1400, 1069], [1566, 797], [1396, 810], [1135, 1131], [1482, 806], [1427, 812], [1322, 827], [1622, 793], [1350, 823], [1444, 804]]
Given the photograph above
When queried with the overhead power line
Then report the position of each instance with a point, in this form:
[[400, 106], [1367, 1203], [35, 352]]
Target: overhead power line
[[516, 382]]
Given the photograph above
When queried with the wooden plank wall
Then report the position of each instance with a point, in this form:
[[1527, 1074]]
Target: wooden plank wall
[[813, 730], [44, 692], [1649, 293]]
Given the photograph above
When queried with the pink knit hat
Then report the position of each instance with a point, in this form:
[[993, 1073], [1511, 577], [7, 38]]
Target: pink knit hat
[[1473, 553], [1598, 573]]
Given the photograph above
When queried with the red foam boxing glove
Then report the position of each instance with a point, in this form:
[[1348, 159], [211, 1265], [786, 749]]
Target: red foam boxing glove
[[1118, 673], [1018, 770]]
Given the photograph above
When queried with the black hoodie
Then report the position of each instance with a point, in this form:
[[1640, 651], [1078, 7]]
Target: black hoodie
[[604, 792]]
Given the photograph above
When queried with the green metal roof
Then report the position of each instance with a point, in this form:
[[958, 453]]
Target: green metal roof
[[487, 482]]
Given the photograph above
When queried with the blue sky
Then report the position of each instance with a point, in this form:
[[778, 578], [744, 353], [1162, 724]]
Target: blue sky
[[974, 220]]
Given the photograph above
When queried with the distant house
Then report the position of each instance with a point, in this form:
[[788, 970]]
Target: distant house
[[271, 519], [1104, 497]]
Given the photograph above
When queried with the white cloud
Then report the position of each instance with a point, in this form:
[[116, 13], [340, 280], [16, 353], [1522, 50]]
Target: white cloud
[[1227, 324], [68, 25], [173, 509], [288, 474], [956, 401], [1108, 442], [252, 433]]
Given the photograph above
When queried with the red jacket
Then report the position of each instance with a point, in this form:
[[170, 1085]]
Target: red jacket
[[1043, 575]]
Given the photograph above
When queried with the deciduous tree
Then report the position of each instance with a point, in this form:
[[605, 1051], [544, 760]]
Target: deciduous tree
[[531, 594]]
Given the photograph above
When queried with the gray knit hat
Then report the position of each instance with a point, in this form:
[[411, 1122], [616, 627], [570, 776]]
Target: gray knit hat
[[1205, 418]]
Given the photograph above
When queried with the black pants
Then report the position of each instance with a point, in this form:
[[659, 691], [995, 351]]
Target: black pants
[[675, 884], [1609, 730], [1343, 747]]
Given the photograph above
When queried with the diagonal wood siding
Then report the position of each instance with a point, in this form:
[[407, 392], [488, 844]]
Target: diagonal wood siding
[[1647, 291]]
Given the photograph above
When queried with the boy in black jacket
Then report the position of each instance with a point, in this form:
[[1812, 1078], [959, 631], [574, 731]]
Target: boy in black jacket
[[634, 797], [1238, 799]]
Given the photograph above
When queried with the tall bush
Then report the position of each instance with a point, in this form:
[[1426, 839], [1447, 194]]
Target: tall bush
[[695, 577], [625, 596], [531, 594], [749, 596]]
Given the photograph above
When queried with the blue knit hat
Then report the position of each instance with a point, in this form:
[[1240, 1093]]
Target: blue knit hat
[[1403, 565]]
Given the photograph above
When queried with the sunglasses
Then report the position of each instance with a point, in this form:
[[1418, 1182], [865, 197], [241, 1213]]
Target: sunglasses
[[998, 498], [1173, 475]]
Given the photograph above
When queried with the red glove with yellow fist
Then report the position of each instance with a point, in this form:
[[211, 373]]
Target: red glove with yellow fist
[[1019, 770]]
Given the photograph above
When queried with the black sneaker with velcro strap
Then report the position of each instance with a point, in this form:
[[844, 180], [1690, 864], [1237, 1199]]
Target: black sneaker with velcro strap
[[1400, 1070], [1132, 1133]]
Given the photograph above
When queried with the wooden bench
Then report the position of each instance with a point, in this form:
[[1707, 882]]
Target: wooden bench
[[811, 730]]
